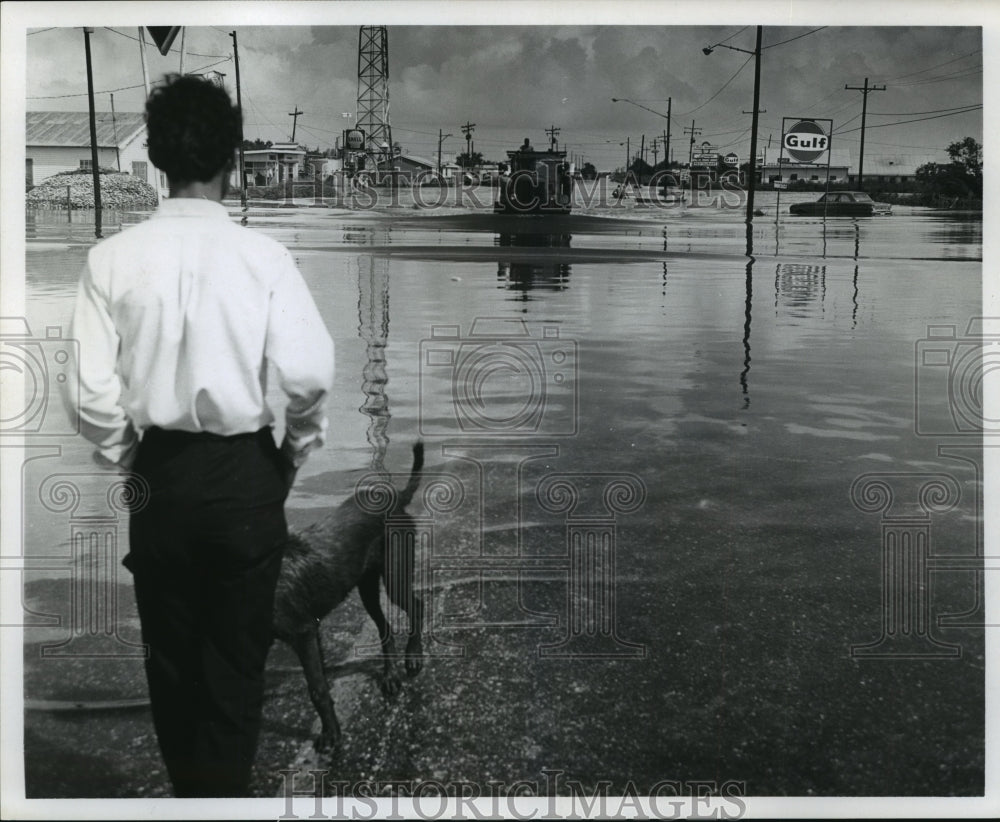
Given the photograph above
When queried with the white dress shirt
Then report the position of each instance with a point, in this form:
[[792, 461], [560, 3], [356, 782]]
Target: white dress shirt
[[177, 318]]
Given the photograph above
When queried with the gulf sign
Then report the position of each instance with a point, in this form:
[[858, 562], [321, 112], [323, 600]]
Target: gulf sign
[[805, 141]]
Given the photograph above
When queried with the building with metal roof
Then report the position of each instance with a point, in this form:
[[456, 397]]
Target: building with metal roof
[[58, 141]]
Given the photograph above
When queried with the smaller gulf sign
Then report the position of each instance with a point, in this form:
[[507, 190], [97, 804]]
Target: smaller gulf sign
[[806, 141], [731, 159]]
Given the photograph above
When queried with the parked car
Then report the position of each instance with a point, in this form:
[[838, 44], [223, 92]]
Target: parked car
[[841, 204]]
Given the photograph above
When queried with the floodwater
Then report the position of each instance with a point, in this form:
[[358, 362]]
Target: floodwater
[[669, 488]]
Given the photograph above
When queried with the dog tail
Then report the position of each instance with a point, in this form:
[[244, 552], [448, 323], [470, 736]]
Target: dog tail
[[411, 486]]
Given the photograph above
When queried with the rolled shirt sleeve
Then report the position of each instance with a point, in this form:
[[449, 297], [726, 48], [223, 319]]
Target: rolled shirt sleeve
[[301, 350], [93, 389]]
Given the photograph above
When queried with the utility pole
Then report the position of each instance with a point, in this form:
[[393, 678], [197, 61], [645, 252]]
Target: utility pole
[[95, 167], [642, 156], [114, 127], [656, 153], [666, 137], [467, 130], [295, 119], [441, 139], [865, 91], [752, 182], [239, 105], [553, 132], [142, 59], [693, 132]]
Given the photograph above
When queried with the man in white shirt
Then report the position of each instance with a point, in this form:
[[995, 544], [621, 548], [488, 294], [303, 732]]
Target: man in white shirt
[[178, 319]]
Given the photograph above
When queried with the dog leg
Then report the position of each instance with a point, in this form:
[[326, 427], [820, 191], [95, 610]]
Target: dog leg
[[307, 646], [368, 587], [399, 587]]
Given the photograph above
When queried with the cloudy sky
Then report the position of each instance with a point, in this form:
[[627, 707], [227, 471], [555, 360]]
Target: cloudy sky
[[513, 81]]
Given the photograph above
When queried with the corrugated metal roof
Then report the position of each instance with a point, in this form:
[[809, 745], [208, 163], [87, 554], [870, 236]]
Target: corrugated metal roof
[[72, 128], [896, 165]]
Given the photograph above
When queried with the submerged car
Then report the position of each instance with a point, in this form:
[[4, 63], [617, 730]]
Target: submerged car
[[841, 204]]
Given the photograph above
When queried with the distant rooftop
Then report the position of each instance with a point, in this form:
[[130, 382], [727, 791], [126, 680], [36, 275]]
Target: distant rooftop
[[72, 128]]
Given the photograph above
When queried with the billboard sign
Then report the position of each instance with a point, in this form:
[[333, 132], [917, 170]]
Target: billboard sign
[[806, 141]]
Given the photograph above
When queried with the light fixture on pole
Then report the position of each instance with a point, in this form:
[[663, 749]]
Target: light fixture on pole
[[751, 181], [666, 117]]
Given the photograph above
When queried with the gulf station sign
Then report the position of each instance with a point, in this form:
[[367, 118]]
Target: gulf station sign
[[806, 141]]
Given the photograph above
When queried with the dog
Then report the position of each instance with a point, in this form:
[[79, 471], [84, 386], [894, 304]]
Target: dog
[[322, 565]]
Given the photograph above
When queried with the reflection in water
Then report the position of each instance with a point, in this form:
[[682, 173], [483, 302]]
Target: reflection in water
[[854, 300], [798, 287], [373, 327], [543, 271], [748, 306]]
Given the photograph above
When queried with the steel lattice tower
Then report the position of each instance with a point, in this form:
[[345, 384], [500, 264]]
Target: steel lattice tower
[[373, 92]]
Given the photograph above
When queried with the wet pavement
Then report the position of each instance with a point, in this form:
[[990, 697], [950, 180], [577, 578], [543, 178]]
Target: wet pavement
[[653, 551]]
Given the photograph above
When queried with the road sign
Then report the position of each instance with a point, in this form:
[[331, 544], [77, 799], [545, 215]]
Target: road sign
[[805, 141], [702, 159], [163, 37]]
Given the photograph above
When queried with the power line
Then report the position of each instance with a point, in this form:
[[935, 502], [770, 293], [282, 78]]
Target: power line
[[710, 99], [122, 88], [917, 120], [912, 113], [789, 40], [958, 75], [931, 68], [172, 51]]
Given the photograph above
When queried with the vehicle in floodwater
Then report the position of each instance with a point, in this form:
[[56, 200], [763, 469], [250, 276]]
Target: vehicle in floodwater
[[841, 204], [536, 182]]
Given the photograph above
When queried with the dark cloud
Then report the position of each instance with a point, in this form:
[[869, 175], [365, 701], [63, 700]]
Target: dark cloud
[[520, 79]]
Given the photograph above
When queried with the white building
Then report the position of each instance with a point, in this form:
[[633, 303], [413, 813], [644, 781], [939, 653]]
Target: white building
[[274, 165], [58, 141], [787, 170]]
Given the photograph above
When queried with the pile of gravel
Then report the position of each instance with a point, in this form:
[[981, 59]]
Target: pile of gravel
[[118, 191]]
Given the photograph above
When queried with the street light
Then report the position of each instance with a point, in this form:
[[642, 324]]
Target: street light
[[751, 183]]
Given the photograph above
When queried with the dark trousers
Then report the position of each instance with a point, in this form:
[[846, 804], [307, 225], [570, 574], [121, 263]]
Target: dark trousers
[[205, 552]]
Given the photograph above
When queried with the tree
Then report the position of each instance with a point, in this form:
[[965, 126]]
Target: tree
[[465, 161], [961, 178], [588, 171], [968, 154], [250, 145]]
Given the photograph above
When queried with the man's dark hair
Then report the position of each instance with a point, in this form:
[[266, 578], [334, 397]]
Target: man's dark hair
[[194, 128]]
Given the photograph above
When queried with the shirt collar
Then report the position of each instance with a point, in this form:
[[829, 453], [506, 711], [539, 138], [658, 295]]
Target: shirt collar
[[191, 207]]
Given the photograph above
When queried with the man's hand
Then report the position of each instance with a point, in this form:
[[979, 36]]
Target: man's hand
[[288, 466]]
